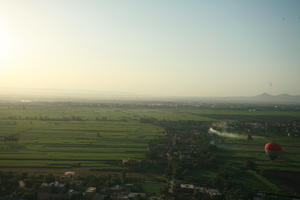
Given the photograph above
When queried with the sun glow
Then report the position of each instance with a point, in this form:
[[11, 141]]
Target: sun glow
[[6, 46]]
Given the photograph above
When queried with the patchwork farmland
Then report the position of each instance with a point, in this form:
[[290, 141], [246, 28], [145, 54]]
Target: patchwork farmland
[[95, 138]]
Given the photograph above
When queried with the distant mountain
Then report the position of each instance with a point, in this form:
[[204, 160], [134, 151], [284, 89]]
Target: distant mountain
[[281, 98], [261, 98], [263, 95]]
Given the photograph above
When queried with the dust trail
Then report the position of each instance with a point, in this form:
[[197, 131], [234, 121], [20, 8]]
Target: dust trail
[[224, 134]]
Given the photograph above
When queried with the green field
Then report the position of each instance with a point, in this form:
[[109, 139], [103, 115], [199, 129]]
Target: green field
[[50, 138], [96, 137], [63, 144]]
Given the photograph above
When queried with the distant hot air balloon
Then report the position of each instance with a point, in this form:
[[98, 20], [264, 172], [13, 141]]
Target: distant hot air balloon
[[273, 150]]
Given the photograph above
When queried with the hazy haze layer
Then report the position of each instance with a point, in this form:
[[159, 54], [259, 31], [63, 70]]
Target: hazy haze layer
[[180, 48]]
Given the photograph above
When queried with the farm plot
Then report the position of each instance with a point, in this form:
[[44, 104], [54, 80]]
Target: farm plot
[[74, 143]]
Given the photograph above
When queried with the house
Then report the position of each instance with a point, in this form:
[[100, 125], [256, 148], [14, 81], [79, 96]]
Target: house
[[187, 186], [91, 190], [69, 174], [22, 184]]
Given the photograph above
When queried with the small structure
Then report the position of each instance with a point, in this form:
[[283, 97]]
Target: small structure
[[91, 190], [69, 174], [22, 184], [172, 186], [56, 184], [213, 192], [131, 162], [124, 162], [187, 186]]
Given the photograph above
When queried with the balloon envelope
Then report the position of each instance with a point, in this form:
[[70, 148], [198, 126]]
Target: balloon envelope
[[273, 150]]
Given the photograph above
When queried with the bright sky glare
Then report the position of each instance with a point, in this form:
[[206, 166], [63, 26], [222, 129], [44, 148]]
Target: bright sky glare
[[157, 47]]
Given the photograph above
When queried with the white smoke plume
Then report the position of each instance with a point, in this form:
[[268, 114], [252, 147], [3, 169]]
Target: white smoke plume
[[224, 134]]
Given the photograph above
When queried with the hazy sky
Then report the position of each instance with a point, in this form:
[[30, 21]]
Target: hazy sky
[[157, 47]]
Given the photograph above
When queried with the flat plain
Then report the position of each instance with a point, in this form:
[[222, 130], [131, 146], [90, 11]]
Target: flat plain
[[96, 137]]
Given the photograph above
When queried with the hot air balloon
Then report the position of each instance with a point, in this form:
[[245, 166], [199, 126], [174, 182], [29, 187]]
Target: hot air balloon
[[273, 150]]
